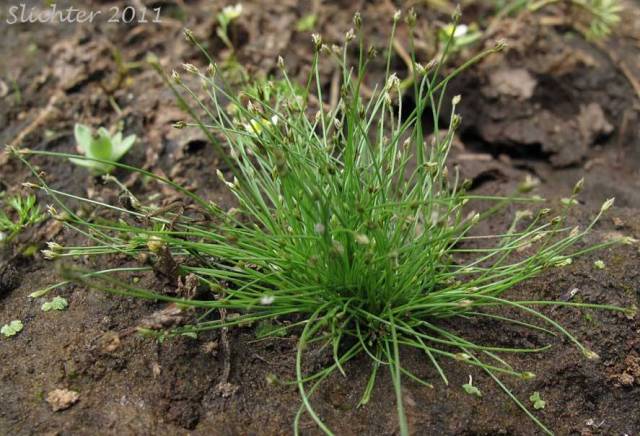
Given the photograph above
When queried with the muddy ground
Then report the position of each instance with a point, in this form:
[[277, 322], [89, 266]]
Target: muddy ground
[[552, 106]]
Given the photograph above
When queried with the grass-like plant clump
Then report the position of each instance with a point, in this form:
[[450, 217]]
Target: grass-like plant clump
[[349, 225]]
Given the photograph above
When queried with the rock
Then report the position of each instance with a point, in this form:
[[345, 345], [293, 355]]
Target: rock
[[9, 279], [513, 82], [61, 399]]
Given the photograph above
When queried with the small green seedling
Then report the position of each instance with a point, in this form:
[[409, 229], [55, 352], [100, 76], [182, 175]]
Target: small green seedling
[[538, 402], [58, 303], [12, 329], [599, 264], [27, 212], [471, 389], [103, 146]]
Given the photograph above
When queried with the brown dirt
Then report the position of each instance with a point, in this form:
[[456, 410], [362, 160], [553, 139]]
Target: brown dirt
[[552, 106]]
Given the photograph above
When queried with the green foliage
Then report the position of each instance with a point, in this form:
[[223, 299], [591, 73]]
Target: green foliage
[[306, 23], [57, 303], [605, 15], [537, 401], [12, 329], [602, 15], [350, 230], [100, 149], [26, 212]]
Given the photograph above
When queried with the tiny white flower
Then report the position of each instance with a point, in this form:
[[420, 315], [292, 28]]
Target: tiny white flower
[[267, 300], [232, 12], [397, 15], [319, 228], [461, 30]]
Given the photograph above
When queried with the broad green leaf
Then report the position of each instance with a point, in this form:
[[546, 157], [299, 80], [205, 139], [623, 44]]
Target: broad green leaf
[[120, 148], [101, 147], [83, 136]]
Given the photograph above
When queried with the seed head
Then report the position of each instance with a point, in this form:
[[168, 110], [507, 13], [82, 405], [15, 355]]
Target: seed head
[[462, 356], [590, 354], [411, 18], [392, 82], [500, 45], [176, 77], [607, 205], [188, 34], [190, 68], [349, 36], [357, 20], [317, 41]]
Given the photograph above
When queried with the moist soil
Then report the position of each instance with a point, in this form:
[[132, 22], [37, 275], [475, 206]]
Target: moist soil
[[552, 106]]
